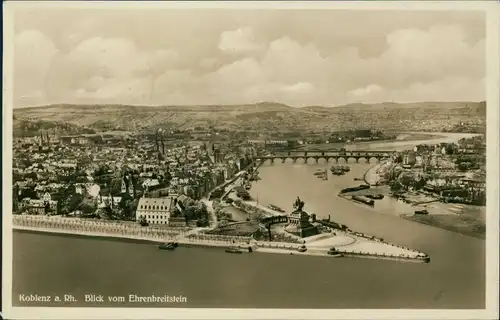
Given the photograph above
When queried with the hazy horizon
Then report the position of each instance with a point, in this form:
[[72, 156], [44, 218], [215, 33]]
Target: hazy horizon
[[198, 57], [236, 105]]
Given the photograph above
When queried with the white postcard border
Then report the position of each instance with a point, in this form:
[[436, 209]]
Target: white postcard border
[[492, 227]]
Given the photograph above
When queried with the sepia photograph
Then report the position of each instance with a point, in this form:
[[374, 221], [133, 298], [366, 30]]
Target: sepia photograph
[[274, 160]]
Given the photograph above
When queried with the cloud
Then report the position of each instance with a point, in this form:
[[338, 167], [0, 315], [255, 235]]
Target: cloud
[[33, 56], [109, 70], [426, 55], [366, 91], [208, 63], [244, 62], [241, 40]]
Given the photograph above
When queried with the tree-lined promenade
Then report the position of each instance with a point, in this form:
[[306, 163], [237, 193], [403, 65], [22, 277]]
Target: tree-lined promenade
[[121, 230]]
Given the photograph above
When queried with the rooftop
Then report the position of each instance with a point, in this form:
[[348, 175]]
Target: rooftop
[[166, 203]]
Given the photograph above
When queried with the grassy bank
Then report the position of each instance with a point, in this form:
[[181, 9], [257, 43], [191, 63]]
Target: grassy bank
[[455, 223]]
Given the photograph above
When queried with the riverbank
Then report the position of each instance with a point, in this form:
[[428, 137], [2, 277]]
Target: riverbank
[[461, 219], [372, 175], [362, 245], [453, 223]]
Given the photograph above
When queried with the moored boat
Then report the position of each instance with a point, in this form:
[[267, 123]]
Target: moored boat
[[234, 250], [334, 252], [375, 196], [302, 248], [168, 246], [421, 212], [351, 189], [363, 200]]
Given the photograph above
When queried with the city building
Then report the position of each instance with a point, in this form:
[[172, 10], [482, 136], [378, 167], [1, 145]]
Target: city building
[[155, 210]]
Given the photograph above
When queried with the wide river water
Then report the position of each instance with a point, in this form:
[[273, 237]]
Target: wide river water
[[455, 278]]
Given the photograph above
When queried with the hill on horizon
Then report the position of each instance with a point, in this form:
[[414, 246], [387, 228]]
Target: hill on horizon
[[265, 116]]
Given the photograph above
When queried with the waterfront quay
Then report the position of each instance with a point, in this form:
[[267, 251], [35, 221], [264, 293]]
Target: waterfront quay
[[348, 244]]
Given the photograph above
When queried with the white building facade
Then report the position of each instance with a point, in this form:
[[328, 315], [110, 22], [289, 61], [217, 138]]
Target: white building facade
[[155, 210]]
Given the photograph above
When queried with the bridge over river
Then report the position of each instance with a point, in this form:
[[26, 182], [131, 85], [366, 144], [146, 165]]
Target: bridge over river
[[327, 155]]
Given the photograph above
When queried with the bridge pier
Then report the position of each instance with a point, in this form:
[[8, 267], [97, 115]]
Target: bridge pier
[[325, 155]]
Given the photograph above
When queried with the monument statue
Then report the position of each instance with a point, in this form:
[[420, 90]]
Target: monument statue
[[298, 205], [298, 221]]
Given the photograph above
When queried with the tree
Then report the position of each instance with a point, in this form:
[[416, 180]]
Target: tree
[[406, 180], [128, 206], [420, 183], [88, 206], [29, 193], [395, 186], [202, 222], [116, 186], [143, 222], [464, 166], [451, 148]]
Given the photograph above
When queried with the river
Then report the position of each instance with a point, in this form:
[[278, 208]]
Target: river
[[455, 278]]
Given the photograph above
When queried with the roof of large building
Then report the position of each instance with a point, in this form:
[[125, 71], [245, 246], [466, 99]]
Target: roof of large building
[[161, 204]]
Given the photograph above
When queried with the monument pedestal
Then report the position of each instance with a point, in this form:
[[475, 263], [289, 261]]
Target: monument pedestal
[[299, 224]]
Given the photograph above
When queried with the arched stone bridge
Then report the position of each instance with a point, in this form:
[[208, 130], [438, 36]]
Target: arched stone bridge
[[327, 155]]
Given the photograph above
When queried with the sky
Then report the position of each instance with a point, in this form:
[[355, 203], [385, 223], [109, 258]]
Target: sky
[[207, 57]]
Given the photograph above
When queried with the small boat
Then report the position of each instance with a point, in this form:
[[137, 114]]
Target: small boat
[[334, 252], [319, 173], [421, 212], [375, 196], [302, 248], [168, 246], [338, 172], [234, 250]]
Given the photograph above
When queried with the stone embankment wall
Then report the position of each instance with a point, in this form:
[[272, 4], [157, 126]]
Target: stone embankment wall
[[119, 230], [278, 245], [361, 254], [82, 226], [215, 237]]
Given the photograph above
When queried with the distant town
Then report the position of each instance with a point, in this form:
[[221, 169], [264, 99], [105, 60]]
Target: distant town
[[120, 176]]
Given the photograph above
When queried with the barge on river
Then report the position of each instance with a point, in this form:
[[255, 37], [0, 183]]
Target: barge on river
[[364, 200], [375, 196], [358, 188]]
